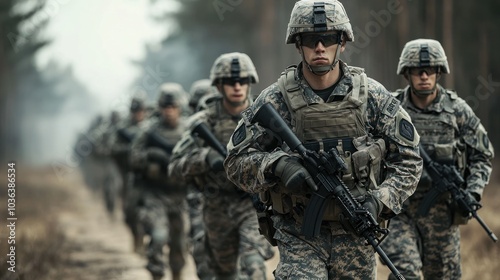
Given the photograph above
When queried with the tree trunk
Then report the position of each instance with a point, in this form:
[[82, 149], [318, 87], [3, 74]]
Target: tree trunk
[[448, 39]]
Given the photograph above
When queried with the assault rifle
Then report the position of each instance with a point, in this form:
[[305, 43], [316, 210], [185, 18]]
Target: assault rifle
[[325, 168], [446, 178], [126, 135], [156, 140], [201, 130]]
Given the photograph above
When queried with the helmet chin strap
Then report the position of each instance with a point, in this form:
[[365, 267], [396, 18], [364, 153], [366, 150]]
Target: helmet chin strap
[[321, 69]]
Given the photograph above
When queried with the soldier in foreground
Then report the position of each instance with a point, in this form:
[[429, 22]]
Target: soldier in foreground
[[231, 228], [162, 201], [452, 135], [331, 108]]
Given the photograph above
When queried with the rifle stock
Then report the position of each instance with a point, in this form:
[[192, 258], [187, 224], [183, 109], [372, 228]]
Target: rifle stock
[[447, 179], [326, 175]]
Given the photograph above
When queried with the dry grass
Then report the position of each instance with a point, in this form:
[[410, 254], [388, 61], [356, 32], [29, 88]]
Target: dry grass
[[40, 243]]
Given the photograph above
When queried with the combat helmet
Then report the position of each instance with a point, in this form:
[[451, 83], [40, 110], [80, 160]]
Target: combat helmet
[[312, 16], [137, 104], [199, 89], [423, 53], [171, 94], [233, 65]]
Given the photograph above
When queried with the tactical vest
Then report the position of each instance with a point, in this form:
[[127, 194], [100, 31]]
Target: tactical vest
[[323, 126], [171, 136], [222, 125], [438, 133]]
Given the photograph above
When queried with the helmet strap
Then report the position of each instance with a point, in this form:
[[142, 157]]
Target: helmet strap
[[323, 69], [423, 92]]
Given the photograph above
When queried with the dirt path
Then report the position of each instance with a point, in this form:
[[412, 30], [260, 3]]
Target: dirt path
[[100, 246]]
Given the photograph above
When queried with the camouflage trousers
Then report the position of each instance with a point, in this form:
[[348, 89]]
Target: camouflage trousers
[[163, 218], [197, 234], [333, 254], [236, 249], [131, 195], [425, 245]]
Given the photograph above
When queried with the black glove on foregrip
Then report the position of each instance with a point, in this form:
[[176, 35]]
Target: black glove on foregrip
[[293, 174]]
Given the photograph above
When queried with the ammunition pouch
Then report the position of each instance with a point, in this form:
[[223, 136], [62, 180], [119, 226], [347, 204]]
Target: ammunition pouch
[[264, 213], [266, 227]]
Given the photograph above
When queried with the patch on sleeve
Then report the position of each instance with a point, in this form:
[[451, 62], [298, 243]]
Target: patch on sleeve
[[391, 107], [239, 135], [247, 115], [406, 130], [474, 122]]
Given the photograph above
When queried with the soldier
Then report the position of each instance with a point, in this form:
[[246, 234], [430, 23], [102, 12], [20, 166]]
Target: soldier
[[198, 90], [231, 227], [162, 202], [327, 104], [111, 179], [121, 141], [451, 134]]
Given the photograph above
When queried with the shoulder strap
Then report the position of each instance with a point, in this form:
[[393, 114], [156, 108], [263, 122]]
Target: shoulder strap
[[291, 91]]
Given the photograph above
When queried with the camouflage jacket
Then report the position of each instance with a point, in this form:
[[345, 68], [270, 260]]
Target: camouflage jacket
[[147, 169], [448, 112], [250, 160], [189, 159]]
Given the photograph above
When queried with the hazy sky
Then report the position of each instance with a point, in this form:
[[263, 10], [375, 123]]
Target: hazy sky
[[100, 38]]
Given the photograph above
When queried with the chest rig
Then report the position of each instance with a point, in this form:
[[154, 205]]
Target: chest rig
[[438, 132], [223, 126], [323, 126]]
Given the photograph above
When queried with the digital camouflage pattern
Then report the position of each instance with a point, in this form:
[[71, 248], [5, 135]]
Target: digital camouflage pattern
[[231, 228], [450, 133], [412, 55], [404, 164], [428, 245], [233, 65], [161, 206], [252, 153], [328, 256], [302, 19]]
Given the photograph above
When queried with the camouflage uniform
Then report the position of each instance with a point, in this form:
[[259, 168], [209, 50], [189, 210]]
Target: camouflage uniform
[[450, 133], [121, 141], [231, 227], [106, 172], [357, 108], [161, 205], [194, 198]]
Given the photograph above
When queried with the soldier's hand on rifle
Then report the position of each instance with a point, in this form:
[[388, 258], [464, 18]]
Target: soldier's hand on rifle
[[158, 155], [215, 160], [373, 205], [293, 174]]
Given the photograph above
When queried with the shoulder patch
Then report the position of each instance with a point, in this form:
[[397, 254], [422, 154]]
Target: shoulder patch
[[406, 130], [247, 115], [239, 135], [391, 107]]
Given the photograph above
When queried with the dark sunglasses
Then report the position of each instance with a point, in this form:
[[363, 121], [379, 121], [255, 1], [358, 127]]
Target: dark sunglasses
[[418, 71], [311, 40], [233, 81]]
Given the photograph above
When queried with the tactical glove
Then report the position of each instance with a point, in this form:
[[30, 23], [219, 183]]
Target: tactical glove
[[373, 205], [158, 155], [293, 174], [215, 161]]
